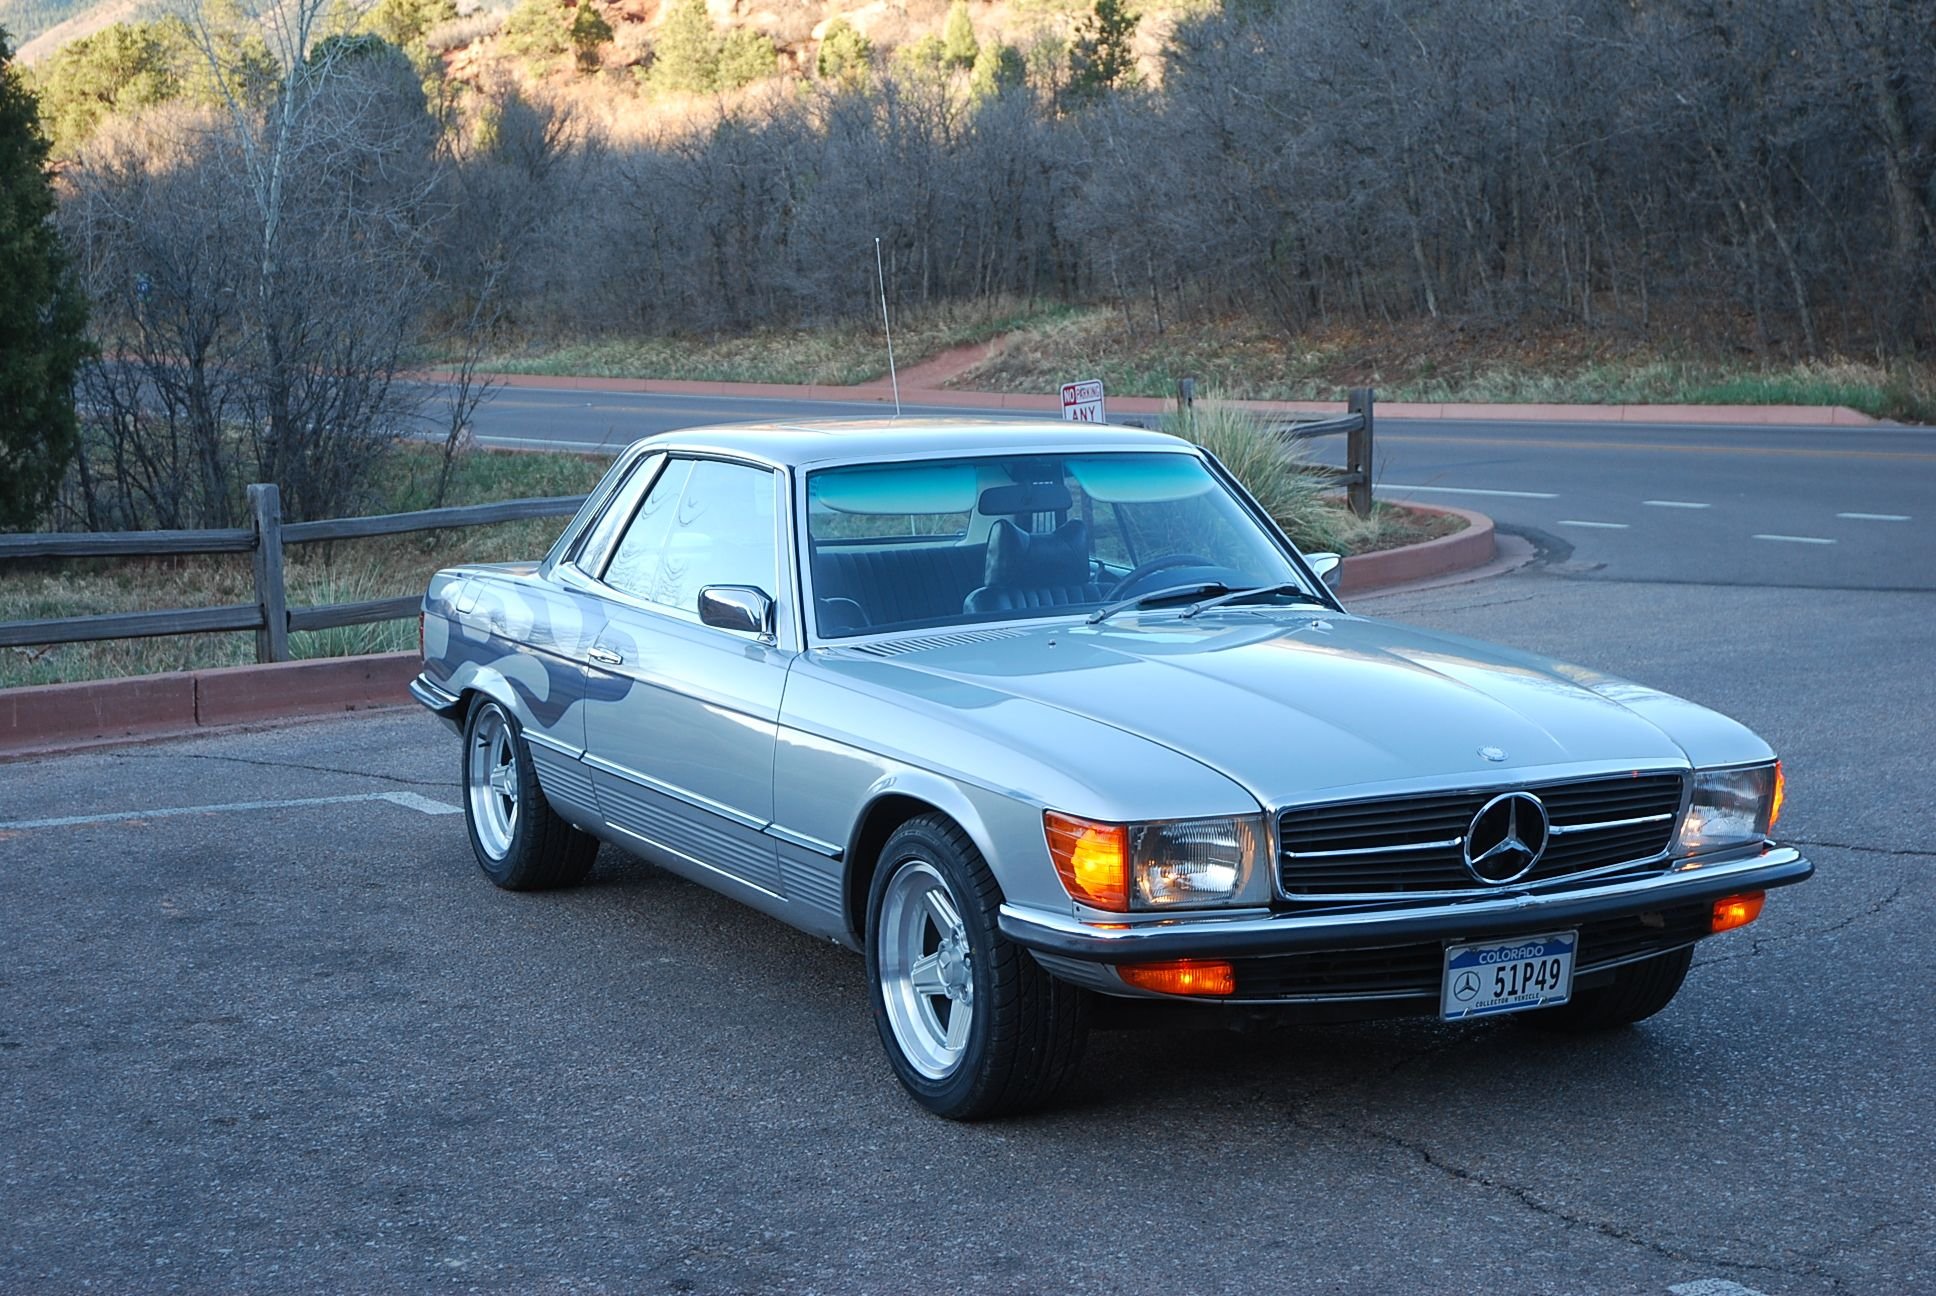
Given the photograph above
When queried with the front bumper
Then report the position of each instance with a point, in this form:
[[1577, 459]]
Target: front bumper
[[1065, 936]]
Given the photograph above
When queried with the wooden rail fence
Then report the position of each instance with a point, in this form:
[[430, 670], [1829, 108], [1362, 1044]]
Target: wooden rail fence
[[1355, 425], [270, 616]]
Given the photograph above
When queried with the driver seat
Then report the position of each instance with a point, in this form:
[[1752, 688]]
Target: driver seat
[[1027, 570]]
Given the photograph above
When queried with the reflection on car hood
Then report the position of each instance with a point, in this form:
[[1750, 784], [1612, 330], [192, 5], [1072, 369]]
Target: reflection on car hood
[[1297, 706]]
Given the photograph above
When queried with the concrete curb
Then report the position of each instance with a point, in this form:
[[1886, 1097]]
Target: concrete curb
[[1475, 546], [47, 718], [881, 393]]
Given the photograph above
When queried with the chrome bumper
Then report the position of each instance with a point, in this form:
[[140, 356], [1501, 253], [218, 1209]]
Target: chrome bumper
[[445, 706], [1291, 932]]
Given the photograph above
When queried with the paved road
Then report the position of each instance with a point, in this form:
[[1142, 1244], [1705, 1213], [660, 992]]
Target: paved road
[[1804, 507], [301, 1044]]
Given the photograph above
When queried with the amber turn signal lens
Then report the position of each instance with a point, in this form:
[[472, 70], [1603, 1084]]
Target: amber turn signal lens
[[1737, 911], [1781, 793], [1091, 858], [1184, 977]]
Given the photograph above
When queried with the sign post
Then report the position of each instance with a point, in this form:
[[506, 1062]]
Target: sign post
[[1082, 401]]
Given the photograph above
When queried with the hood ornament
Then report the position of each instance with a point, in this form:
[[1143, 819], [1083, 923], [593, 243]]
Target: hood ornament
[[1493, 753]]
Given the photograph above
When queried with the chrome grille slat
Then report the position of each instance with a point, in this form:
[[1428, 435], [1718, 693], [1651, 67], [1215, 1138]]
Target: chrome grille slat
[[1410, 845]]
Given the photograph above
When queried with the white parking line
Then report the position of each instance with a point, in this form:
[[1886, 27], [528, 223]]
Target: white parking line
[[1602, 526], [1875, 517], [1797, 539], [1675, 504], [1712, 1287], [1468, 490], [408, 800]]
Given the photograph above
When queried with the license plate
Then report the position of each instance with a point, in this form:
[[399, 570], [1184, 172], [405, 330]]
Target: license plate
[[1508, 975]]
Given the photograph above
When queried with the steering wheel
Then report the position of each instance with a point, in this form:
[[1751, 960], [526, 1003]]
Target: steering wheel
[[1154, 565]]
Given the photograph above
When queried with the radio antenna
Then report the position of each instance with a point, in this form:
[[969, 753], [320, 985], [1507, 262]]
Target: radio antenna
[[881, 275]]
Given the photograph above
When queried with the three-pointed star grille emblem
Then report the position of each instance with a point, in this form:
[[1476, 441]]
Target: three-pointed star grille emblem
[[1506, 838]]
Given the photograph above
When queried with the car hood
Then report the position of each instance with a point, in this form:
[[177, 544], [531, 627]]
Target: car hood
[[1294, 706]]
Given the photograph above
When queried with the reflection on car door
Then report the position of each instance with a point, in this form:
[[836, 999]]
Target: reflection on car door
[[684, 760]]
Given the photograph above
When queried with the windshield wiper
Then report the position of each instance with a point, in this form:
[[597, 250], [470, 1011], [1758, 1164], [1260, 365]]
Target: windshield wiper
[[1282, 587], [1192, 590]]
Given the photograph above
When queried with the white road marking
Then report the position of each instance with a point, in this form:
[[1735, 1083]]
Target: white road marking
[[1468, 490], [1602, 526], [1796, 539], [1713, 1287], [1675, 504], [408, 800], [546, 443], [1875, 517]]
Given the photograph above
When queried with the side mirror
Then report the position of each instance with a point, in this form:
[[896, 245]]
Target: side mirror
[[736, 607], [1328, 566]]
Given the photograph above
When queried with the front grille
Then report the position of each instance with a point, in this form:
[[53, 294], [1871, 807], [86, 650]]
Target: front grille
[[1411, 846], [1413, 971]]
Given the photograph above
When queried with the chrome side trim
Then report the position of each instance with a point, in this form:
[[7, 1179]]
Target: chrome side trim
[[537, 739], [693, 860], [805, 842], [693, 799], [1557, 831]]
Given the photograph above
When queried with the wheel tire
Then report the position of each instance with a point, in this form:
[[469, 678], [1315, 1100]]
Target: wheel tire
[[519, 840], [1638, 991], [1024, 1032]]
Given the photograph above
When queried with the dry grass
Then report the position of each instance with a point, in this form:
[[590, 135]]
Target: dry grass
[[346, 571], [1305, 503], [834, 355], [1429, 362]]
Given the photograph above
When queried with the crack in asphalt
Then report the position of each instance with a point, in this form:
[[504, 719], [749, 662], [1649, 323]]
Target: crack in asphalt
[[1866, 850], [267, 763], [1755, 946], [1527, 1198]]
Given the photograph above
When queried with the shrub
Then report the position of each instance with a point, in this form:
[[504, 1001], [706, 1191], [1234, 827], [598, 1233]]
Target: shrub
[[844, 54]]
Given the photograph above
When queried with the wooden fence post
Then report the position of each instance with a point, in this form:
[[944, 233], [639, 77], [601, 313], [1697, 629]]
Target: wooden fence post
[[272, 638], [1358, 453]]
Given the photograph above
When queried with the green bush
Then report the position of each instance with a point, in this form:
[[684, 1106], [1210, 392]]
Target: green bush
[[844, 54], [958, 42], [746, 56]]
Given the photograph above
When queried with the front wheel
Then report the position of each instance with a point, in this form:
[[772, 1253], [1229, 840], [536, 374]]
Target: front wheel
[[1637, 992], [519, 840], [972, 1024]]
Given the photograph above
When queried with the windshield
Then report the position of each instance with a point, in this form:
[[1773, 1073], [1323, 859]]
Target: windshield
[[961, 541]]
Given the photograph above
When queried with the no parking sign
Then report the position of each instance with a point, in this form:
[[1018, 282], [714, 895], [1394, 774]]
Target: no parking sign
[[1082, 401]]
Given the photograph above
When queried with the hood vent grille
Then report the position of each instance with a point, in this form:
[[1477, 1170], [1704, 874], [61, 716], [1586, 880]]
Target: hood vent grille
[[896, 647]]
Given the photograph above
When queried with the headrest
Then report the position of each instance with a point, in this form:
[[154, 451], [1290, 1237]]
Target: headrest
[[1025, 497], [1019, 560]]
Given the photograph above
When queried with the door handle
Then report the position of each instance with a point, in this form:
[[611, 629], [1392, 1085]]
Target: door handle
[[605, 657]]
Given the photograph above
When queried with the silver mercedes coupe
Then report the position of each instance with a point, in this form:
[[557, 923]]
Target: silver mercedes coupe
[[1042, 716]]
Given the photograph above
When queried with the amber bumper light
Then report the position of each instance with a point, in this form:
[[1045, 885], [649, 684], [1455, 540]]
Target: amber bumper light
[[1737, 911], [1183, 977]]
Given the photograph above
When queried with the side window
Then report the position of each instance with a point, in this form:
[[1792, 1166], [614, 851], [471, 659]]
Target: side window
[[618, 507], [702, 523]]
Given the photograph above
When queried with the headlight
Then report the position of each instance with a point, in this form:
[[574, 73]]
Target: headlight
[[1731, 807], [1174, 863]]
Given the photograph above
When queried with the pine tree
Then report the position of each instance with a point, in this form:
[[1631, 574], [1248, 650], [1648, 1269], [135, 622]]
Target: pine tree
[[1100, 58], [958, 37], [685, 56], [746, 56], [844, 54], [998, 68], [43, 316], [589, 30]]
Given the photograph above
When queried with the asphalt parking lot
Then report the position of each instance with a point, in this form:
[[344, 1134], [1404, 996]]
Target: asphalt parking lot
[[301, 1044]]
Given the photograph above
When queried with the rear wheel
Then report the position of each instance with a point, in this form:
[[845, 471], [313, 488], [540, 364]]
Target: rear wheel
[[972, 1024], [519, 840], [1637, 992]]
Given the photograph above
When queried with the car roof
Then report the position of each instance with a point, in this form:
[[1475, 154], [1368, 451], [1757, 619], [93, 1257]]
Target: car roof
[[821, 442]]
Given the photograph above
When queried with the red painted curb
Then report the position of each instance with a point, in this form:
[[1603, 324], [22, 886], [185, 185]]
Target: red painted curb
[[95, 710], [50, 718], [236, 694], [1461, 551]]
